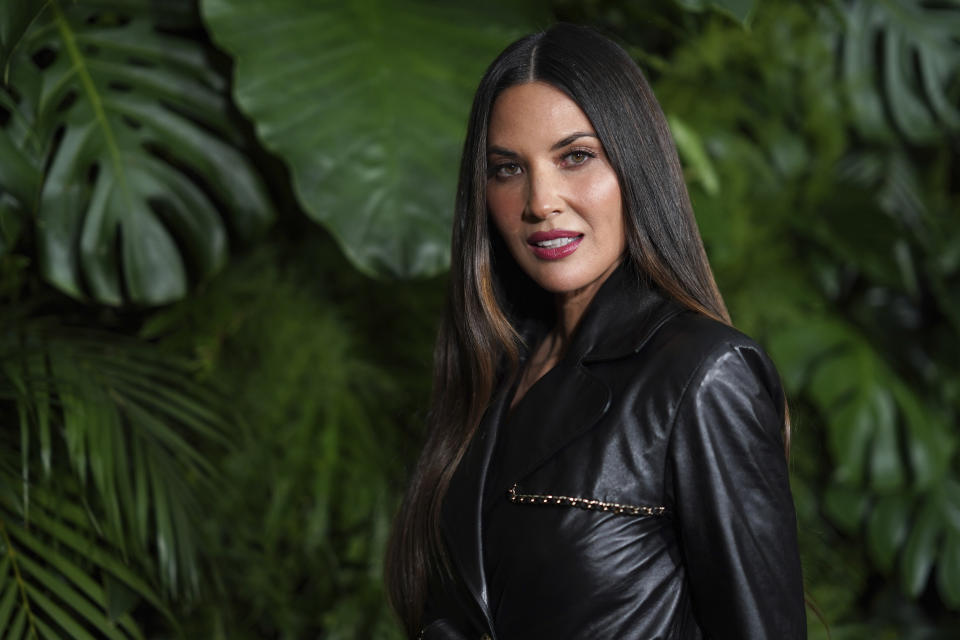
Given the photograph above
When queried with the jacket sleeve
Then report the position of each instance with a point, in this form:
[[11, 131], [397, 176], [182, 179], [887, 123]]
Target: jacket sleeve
[[731, 499]]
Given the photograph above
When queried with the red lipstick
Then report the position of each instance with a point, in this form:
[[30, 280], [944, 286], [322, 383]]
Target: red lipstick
[[555, 244]]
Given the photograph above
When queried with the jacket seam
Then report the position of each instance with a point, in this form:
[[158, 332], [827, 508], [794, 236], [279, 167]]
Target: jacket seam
[[697, 374]]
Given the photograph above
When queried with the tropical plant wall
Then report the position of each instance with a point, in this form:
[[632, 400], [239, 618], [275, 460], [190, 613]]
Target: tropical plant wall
[[223, 233]]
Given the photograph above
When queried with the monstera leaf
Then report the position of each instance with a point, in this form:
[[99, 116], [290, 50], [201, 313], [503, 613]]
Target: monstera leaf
[[367, 102], [899, 61], [906, 497], [115, 142]]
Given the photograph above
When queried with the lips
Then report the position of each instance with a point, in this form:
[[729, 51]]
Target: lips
[[555, 244]]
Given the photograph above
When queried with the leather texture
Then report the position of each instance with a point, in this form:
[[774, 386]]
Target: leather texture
[[651, 406], [441, 629]]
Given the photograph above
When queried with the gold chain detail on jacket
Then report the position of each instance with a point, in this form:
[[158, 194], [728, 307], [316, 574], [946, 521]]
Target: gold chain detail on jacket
[[584, 503]]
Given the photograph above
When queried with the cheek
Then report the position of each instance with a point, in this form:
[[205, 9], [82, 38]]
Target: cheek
[[502, 205], [605, 191], [600, 196]]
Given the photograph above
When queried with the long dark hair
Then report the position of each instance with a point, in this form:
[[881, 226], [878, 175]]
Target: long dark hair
[[478, 338]]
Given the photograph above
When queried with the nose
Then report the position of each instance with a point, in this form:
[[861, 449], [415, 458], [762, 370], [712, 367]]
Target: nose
[[543, 195]]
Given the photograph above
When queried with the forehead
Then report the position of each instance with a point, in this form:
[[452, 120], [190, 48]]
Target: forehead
[[534, 113]]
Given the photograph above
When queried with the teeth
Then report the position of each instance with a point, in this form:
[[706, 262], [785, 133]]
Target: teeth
[[556, 242]]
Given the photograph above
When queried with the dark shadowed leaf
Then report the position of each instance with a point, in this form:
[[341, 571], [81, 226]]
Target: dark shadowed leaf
[[887, 528], [15, 17], [846, 506], [948, 570], [921, 549]]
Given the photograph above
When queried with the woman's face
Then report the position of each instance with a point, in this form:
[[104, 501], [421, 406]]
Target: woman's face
[[551, 191]]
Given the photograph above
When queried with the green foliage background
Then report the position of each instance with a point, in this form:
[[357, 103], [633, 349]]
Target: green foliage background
[[223, 226]]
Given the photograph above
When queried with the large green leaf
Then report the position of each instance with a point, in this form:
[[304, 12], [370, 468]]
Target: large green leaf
[[367, 103], [889, 449], [900, 58], [142, 180]]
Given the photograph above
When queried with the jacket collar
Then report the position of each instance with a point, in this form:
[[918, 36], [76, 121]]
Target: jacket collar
[[620, 319]]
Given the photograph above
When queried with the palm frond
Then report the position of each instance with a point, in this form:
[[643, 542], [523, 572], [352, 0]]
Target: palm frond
[[107, 464], [53, 569]]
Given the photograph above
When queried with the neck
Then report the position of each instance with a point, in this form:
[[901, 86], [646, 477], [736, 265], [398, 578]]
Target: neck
[[571, 306]]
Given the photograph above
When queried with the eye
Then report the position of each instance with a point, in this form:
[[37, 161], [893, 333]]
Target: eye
[[505, 170], [577, 157]]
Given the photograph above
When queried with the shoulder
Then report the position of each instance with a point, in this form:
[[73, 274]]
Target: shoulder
[[704, 357], [694, 336]]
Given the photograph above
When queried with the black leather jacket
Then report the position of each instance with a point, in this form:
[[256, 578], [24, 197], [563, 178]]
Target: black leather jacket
[[646, 498]]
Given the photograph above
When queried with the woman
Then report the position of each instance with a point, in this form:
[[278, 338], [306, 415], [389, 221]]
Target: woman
[[605, 454]]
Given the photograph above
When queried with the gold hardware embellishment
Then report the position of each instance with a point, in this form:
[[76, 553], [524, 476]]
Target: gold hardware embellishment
[[584, 503]]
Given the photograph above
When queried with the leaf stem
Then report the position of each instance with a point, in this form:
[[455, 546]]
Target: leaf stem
[[83, 73]]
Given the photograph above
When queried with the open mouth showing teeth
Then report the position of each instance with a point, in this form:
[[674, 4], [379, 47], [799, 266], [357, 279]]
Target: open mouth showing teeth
[[556, 242]]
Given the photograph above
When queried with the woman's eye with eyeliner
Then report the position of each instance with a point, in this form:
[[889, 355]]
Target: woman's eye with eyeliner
[[507, 170], [578, 157]]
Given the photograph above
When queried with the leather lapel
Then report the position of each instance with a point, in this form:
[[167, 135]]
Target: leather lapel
[[562, 405], [622, 316], [461, 521]]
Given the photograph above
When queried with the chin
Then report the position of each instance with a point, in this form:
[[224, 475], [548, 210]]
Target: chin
[[559, 278], [563, 282]]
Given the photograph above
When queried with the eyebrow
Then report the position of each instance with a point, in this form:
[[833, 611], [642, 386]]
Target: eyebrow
[[570, 138], [500, 151]]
